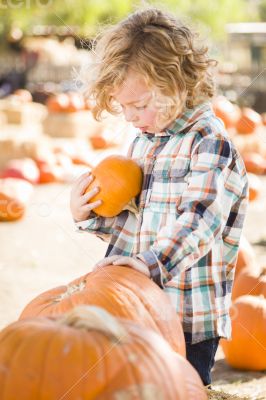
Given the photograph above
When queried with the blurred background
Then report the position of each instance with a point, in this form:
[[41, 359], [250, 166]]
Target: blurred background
[[42, 40], [48, 137]]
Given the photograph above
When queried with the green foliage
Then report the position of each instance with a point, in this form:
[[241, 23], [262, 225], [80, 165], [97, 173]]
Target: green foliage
[[262, 10], [88, 15]]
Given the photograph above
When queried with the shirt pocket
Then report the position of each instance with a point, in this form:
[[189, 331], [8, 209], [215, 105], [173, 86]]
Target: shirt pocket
[[168, 185]]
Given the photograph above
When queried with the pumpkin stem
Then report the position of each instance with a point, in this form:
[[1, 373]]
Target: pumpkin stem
[[93, 318]]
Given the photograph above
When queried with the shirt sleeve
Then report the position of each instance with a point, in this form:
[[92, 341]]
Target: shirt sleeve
[[214, 185], [101, 226]]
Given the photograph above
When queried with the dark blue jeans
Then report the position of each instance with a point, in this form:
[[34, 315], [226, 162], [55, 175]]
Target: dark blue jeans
[[201, 356]]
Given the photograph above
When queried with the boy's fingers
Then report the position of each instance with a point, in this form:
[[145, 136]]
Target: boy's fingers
[[84, 183], [91, 206], [106, 261], [89, 195], [122, 261]]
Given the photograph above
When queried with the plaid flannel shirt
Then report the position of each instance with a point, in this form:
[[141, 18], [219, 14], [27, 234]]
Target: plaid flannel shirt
[[190, 215]]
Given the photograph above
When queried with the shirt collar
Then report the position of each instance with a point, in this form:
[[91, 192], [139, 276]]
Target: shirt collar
[[180, 125]]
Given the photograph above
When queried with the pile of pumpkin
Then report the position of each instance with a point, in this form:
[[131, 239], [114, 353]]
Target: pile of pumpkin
[[246, 128], [19, 176], [247, 348], [19, 108], [111, 334], [119, 178], [68, 113]]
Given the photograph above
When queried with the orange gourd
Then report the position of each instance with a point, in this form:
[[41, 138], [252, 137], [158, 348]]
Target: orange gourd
[[14, 195], [254, 163], [57, 103], [76, 103], [65, 102], [89, 354], [252, 281], [123, 292], [249, 121], [226, 111], [100, 141], [255, 186], [119, 179], [49, 172], [246, 350]]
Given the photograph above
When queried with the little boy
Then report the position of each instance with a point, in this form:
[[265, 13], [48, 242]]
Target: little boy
[[193, 201]]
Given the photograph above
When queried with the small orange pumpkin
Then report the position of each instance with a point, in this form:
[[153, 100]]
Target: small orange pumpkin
[[100, 141], [255, 186], [14, 195], [76, 103], [89, 354], [254, 163], [226, 111], [65, 102], [57, 102], [249, 121], [119, 179], [250, 280], [246, 350], [49, 172], [123, 292]]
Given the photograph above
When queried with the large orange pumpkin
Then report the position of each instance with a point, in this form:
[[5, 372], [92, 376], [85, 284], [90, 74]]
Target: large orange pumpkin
[[119, 179], [123, 292], [246, 350], [225, 110], [246, 255], [89, 354], [249, 121], [14, 195], [251, 281]]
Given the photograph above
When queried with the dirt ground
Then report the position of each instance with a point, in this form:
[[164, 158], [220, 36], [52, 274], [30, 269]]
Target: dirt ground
[[44, 250]]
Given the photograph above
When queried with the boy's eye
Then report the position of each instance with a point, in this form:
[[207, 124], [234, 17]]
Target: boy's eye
[[141, 107]]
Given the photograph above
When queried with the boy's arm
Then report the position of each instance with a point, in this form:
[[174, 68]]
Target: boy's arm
[[202, 212]]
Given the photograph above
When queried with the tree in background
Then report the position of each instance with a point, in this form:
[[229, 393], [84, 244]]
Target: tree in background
[[262, 10], [88, 15]]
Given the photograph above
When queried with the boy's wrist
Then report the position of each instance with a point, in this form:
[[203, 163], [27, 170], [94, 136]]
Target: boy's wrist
[[153, 264]]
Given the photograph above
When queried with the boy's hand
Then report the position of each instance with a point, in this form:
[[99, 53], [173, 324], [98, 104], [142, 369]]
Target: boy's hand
[[78, 200], [138, 265]]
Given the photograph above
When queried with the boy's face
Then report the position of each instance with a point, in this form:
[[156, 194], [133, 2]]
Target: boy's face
[[139, 104]]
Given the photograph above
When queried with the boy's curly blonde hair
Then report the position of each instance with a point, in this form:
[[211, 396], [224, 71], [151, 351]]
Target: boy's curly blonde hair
[[162, 50]]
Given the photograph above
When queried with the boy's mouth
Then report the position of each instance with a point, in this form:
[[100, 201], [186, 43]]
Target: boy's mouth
[[142, 128]]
